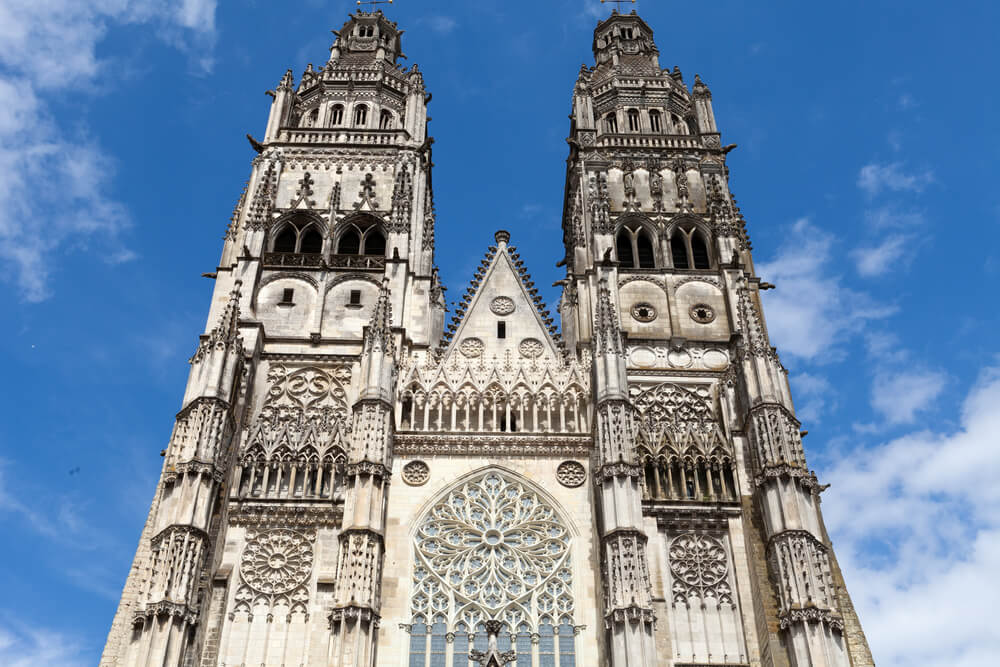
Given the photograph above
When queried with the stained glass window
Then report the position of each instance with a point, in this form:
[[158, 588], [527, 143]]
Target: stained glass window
[[492, 548]]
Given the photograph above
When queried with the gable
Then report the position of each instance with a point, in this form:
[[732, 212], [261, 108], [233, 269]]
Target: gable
[[502, 316]]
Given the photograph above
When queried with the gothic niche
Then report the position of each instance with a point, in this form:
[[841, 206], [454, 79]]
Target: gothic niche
[[492, 550], [296, 445], [684, 453]]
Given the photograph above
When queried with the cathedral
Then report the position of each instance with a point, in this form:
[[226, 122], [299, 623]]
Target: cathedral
[[358, 477]]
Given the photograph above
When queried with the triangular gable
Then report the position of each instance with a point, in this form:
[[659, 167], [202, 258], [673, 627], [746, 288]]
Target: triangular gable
[[502, 292]]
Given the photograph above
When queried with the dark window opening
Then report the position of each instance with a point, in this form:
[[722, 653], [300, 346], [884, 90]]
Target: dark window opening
[[654, 121], [337, 115], [385, 120], [312, 242], [633, 120], [355, 297], [611, 123], [624, 247], [350, 243], [285, 241], [700, 252], [361, 115], [501, 329], [644, 312], [678, 251], [645, 247], [375, 243], [287, 294]]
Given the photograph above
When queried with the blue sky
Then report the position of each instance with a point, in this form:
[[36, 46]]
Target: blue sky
[[868, 144]]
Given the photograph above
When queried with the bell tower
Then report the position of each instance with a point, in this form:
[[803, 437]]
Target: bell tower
[[265, 539], [713, 549]]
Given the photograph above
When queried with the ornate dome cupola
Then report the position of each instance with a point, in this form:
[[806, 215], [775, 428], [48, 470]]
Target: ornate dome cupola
[[367, 38], [625, 39]]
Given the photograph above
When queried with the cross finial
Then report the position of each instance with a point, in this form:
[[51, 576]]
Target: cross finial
[[372, 3], [617, 2]]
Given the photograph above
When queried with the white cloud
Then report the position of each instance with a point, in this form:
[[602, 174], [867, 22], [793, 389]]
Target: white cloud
[[56, 191], [811, 313], [873, 178], [36, 647], [899, 396], [888, 217], [916, 525], [880, 259]]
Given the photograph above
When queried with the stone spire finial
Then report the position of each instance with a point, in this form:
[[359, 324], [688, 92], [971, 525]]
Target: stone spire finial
[[700, 89], [607, 331], [287, 81], [226, 334], [492, 657], [502, 236], [379, 330]]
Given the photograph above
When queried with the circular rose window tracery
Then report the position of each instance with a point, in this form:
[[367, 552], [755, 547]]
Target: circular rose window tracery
[[492, 549], [276, 561], [502, 305], [531, 348]]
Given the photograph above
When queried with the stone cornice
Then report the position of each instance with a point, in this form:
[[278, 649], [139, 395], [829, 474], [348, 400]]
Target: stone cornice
[[252, 513], [499, 444]]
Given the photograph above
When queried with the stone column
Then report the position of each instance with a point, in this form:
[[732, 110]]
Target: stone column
[[354, 619], [628, 606], [166, 610], [787, 495]]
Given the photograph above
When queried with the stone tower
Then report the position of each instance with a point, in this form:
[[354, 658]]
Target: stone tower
[[350, 482]]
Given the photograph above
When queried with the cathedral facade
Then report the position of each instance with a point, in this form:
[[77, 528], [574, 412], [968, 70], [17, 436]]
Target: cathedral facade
[[356, 479]]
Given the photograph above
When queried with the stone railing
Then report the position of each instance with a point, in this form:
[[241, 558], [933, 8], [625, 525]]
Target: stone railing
[[336, 135]]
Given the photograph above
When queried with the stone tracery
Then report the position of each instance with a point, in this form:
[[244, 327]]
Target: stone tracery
[[492, 549]]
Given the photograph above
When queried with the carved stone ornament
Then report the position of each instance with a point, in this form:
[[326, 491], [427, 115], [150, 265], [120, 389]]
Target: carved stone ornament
[[702, 312], [492, 548], [643, 312], [276, 561], [416, 473], [471, 347], [502, 305], [571, 474], [531, 348], [699, 566]]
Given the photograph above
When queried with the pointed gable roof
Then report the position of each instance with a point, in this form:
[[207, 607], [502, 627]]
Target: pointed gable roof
[[502, 290]]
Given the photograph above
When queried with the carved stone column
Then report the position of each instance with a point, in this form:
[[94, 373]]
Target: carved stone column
[[628, 608], [354, 619]]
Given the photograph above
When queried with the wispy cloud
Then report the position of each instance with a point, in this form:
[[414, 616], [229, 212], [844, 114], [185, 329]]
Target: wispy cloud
[[917, 530], [874, 178], [56, 192], [812, 314], [22, 646], [814, 396], [900, 395], [882, 258]]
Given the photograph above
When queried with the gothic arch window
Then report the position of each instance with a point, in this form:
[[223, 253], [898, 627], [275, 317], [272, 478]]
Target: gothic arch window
[[635, 248], [337, 115], [373, 243], [350, 243], [493, 548], [611, 123], [362, 236], [360, 115], [680, 127], [654, 121], [298, 235], [633, 120], [689, 248], [385, 120]]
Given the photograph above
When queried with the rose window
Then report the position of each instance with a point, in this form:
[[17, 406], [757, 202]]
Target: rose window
[[492, 549], [699, 566], [276, 561]]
